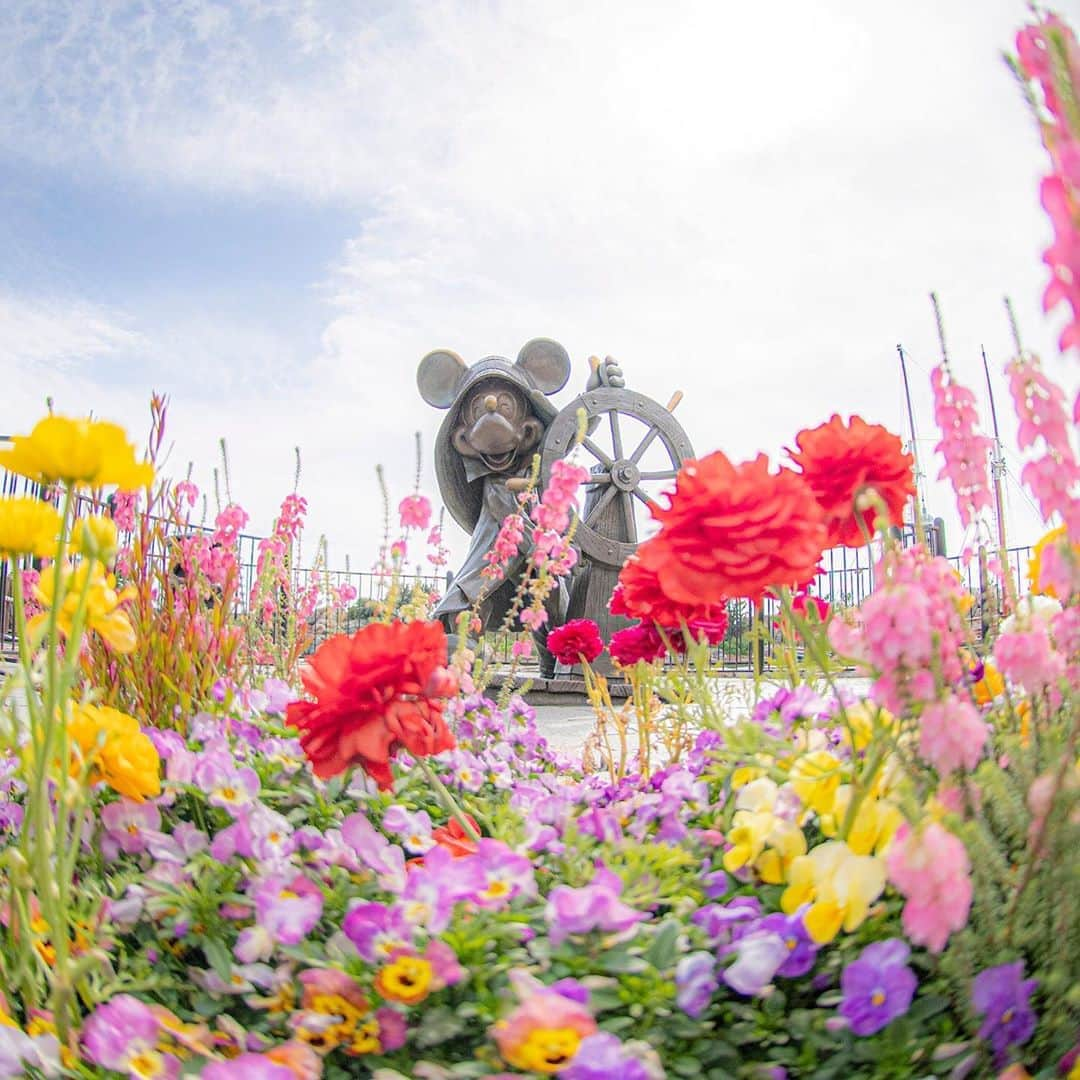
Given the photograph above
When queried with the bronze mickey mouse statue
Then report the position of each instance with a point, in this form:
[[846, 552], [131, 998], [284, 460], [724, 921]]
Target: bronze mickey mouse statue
[[497, 414]]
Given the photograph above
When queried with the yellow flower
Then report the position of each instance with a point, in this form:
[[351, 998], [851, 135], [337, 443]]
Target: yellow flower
[[122, 756], [406, 979], [839, 885], [990, 686], [102, 603], [815, 778], [1052, 538], [96, 537], [28, 527], [744, 775], [875, 822], [784, 845], [87, 453], [365, 1039], [545, 1050]]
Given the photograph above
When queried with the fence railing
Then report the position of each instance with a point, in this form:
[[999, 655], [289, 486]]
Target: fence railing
[[846, 579]]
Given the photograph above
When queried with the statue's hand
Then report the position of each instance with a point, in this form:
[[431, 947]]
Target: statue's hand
[[605, 373]]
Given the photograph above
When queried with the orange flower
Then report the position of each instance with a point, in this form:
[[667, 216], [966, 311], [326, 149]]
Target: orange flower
[[375, 692], [735, 531], [840, 461]]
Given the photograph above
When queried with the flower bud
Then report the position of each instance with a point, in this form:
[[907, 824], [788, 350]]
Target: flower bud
[[96, 538]]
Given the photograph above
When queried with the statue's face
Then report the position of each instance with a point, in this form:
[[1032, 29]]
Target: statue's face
[[497, 425]]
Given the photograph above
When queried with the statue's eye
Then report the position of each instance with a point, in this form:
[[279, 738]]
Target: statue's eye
[[507, 405]]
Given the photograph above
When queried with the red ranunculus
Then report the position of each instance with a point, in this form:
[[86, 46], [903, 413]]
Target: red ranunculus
[[639, 642], [373, 696], [840, 461], [711, 630], [736, 530], [639, 595], [576, 639], [811, 608]]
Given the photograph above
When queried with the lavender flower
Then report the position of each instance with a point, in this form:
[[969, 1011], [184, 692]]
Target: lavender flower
[[695, 982], [878, 987], [1002, 996]]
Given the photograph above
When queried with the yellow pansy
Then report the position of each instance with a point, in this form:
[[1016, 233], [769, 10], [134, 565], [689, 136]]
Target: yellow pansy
[[815, 778], [28, 526], [784, 844], [875, 822], [122, 756], [744, 775], [87, 453], [545, 1050], [838, 885], [406, 979], [102, 603]]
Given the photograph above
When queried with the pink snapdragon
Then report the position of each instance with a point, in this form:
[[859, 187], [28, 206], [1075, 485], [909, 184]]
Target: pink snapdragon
[[964, 450], [1029, 659], [185, 491], [415, 512], [506, 547], [228, 523], [931, 869], [124, 504], [952, 734]]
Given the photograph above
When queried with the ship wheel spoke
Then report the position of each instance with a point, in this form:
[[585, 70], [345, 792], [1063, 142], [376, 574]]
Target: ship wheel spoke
[[651, 434], [647, 500], [616, 434], [628, 513], [664, 474], [598, 507], [597, 453]]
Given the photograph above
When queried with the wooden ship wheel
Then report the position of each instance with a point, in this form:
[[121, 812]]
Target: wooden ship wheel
[[637, 447]]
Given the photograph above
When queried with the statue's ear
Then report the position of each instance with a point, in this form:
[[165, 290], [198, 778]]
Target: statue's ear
[[546, 362], [438, 377]]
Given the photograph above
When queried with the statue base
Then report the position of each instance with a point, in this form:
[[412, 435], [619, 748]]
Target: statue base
[[568, 690]]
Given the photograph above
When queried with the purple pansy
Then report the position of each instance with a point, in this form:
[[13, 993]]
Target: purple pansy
[[377, 931], [596, 906], [878, 987], [413, 827], [602, 1056], [505, 874], [247, 1067], [121, 1029], [695, 982], [721, 922], [758, 956], [226, 786], [128, 826], [288, 908], [801, 948], [1002, 996]]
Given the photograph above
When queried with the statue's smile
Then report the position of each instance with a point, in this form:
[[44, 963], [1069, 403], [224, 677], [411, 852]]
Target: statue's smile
[[498, 462]]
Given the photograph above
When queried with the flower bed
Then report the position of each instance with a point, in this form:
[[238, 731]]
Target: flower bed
[[218, 862]]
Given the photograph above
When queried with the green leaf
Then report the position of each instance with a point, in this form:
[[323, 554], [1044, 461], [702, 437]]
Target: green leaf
[[664, 948], [218, 956]]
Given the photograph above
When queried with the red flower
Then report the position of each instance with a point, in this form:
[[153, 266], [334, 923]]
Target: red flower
[[373, 696], [455, 839], [639, 595], [712, 630], [639, 642], [811, 608], [576, 639], [735, 530], [839, 461]]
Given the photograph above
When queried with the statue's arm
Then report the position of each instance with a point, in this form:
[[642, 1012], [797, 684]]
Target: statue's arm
[[605, 372]]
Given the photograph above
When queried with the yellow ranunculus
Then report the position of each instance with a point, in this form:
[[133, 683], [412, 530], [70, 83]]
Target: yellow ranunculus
[[88, 453], [28, 526], [103, 614], [122, 756], [839, 885], [96, 537]]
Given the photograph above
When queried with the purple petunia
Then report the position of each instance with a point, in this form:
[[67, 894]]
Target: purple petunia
[[878, 987], [695, 982], [1002, 996]]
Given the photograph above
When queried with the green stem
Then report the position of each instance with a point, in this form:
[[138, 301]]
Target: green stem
[[449, 802]]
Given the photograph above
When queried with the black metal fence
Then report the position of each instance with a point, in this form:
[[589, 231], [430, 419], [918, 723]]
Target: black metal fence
[[846, 579]]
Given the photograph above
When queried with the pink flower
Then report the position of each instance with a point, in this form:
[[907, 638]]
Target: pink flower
[[124, 504], [931, 869], [186, 491], [541, 1010], [965, 451], [952, 734], [521, 649], [533, 618], [415, 511]]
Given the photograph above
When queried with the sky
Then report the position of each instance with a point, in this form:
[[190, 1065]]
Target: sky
[[270, 210]]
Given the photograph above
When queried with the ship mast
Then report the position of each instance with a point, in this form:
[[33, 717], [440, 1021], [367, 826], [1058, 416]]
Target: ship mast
[[997, 458], [917, 504]]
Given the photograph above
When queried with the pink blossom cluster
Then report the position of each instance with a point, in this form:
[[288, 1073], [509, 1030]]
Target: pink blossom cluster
[[1029, 660], [343, 595], [1053, 477], [506, 547], [228, 523], [911, 627], [203, 555], [931, 869], [952, 734], [185, 491], [415, 512], [438, 555], [290, 520], [124, 505], [560, 496], [964, 450], [1036, 46]]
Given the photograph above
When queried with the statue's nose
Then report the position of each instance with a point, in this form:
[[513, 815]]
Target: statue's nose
[[491, 403]]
